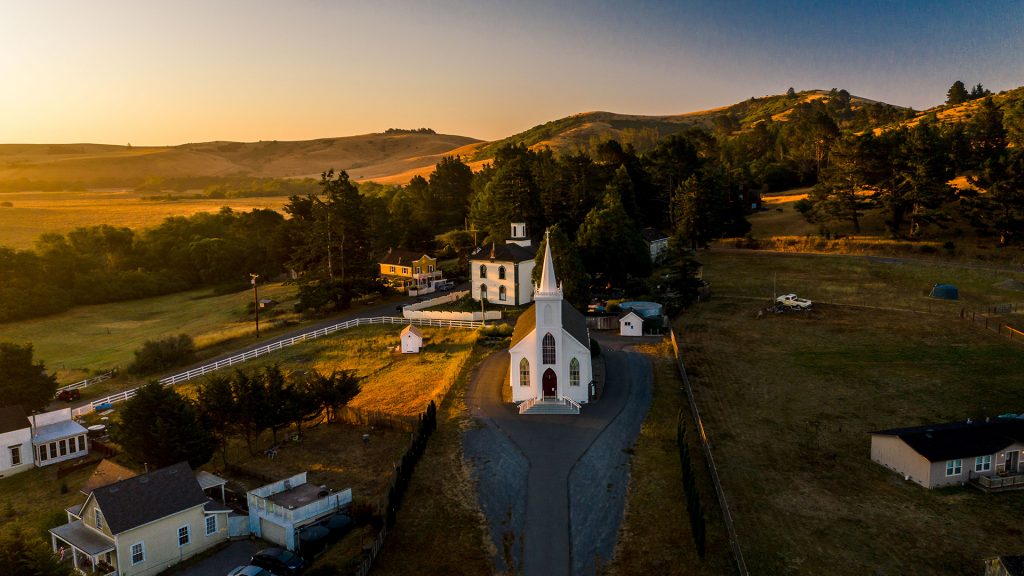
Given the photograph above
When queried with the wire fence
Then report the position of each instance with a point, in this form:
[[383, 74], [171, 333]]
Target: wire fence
[[106, 402], [734, 542]]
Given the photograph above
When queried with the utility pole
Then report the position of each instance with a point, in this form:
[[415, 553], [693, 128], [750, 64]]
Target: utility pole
[[256, 302]]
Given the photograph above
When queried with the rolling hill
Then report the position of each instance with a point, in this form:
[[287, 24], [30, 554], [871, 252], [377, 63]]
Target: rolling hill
[[365, 157]]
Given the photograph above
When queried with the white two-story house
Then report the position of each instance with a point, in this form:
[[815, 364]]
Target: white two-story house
[[15, 441], [502, 273]]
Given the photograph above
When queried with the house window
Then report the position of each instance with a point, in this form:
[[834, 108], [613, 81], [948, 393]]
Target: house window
[[574, 372], [63, 448], [501, 272], [954, 467], [405, 270], [419, 270], [430, 268], [81, 443], [138, 553], [184, 535], [524, 372], [211, 525], [983, 463], [501, 293], [392, 269], [53, 449], [483, 291], [71, 446], [42, 453], [15, 455], [483, 271], [99, 519], [548, 348]]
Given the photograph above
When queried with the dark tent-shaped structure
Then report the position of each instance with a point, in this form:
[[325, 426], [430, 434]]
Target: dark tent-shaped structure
[[945, 292]]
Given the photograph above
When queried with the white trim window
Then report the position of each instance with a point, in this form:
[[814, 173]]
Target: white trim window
[[138, 553], [184, 536], [98, 518], [501, 293], [954, 467], [15, 454], [211, 525], [574, 372], [983, 463], [524, 372]]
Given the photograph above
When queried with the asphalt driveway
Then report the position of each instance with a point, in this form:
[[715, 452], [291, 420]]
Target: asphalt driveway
[[220, 563]]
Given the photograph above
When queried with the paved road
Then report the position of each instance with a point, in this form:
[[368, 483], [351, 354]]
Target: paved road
[[532, 458], [878, 259]]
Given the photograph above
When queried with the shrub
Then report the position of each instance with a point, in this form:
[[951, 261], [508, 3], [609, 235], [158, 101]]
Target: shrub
[[158, 355], [595, 348]]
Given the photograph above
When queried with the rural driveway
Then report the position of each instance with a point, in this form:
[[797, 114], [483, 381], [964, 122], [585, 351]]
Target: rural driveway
[[547, 515], [237, 553]]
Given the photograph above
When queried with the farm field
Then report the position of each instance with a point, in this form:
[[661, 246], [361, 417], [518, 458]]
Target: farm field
[[788, 402], [103, 336], [34, 213]]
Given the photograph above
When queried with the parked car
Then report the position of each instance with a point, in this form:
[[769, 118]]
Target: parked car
[[69, 395], [792, 301], [250, 570], [279, 561]]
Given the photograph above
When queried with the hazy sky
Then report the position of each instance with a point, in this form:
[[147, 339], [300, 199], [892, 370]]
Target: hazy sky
[[174, 71]]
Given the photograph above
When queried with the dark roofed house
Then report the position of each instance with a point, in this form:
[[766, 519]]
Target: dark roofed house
[[657, 243], [503, 273], [987, 453], [15, 441], [406, 270], [141, 525]]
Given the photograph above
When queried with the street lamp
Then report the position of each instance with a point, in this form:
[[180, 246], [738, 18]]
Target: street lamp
[[256, 302]]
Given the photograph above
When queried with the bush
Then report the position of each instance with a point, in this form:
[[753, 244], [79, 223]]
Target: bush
[[158, 355], [502, 330], [595, 348]]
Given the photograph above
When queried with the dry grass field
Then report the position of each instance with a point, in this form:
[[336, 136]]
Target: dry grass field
[[35, 501], [35, 213], [788, 401]]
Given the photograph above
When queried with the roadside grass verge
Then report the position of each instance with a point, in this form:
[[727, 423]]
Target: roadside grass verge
[[788, 402], [655, 536]]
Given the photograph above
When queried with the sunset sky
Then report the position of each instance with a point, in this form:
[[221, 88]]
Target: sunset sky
[[159, 72]]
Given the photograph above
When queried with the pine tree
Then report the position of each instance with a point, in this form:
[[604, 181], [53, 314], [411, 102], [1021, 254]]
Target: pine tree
[[957, 94]]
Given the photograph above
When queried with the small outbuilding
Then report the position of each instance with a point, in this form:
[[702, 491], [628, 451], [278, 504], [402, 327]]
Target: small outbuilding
[[945, 292], [412, 340], [631, 324]]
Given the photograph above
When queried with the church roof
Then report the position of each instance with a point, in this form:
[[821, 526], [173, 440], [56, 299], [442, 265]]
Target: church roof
[[572, 322], [503, 253]]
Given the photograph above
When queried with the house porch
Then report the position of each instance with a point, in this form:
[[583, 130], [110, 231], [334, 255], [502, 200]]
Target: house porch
[[90, 551], [999, 483]]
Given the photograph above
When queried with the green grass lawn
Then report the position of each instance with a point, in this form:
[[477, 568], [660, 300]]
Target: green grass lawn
[[33, 500], [788, 402], [106, 335]]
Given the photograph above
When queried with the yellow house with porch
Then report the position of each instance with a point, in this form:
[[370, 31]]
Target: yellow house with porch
[[405, 270]]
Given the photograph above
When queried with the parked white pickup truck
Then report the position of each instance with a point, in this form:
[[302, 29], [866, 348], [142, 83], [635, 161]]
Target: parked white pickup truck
[[792, 301]]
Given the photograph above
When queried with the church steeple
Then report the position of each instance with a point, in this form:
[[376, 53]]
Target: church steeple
[[548, 283]]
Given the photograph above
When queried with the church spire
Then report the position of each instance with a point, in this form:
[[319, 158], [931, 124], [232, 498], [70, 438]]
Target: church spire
[[548, 283]]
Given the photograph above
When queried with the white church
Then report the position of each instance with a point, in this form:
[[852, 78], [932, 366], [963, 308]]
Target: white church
[[550, 371]]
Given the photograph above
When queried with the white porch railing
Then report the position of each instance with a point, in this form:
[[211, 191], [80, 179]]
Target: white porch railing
[[273, 347], [573, 403], [526, 405]]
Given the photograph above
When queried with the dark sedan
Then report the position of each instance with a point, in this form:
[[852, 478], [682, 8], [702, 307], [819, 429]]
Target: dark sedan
[[278, 561]]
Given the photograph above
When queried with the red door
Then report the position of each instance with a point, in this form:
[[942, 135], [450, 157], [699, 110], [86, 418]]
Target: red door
[[550, 384]]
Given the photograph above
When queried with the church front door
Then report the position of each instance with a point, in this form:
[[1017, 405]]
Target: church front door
[[550, 384]]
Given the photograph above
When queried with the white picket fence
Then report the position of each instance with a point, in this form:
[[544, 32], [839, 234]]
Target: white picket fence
[[87, 382], [246, 356]]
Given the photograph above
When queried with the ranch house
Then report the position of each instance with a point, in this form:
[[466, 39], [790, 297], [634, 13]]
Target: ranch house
[[985, 453], [405, 270]]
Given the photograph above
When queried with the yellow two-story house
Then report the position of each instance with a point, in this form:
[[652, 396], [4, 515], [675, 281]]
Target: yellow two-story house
[[405, 270], [141, 525]]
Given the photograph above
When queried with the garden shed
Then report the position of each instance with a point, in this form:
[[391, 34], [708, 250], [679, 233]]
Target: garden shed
[[945, 292], [412, 340]]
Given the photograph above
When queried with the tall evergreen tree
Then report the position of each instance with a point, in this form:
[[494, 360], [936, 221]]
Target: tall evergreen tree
[[957, 94], [572, 274], [160, 427], [451, 185], [22, 381], [610, 243]]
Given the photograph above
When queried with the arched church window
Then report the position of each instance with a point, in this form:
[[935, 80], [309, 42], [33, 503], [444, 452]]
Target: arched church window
[[483, 291], [501, 272], [483, 271], [524, 372], [548, 348], [574, 372], [501, 293]]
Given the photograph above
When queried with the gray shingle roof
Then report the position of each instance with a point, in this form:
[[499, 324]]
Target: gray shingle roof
[[402, 257], [12, 418], [938, 442], [503, 253], [572, 321], [143, 499]]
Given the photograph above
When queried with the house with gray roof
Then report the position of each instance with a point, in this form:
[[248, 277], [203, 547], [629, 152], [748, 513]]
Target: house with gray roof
[[986, 453], [56, 437], [141, 525], [15, 441], [502, 273]]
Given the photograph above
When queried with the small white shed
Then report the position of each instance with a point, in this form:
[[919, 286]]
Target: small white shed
[[412, 340], [631, 324]]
